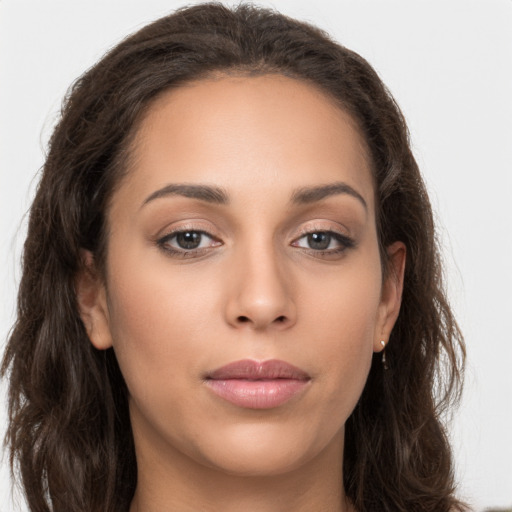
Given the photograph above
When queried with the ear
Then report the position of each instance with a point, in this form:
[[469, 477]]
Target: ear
[[92, 302], [391, 296]]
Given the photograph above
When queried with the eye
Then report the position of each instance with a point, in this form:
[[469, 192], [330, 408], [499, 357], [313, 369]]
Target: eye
[[326, 242], [187, 242]]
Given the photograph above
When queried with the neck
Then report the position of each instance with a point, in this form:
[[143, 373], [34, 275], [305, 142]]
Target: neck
[[186, 486]]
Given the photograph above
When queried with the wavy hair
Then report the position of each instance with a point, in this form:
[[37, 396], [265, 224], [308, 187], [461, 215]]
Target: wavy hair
[[69, 432]]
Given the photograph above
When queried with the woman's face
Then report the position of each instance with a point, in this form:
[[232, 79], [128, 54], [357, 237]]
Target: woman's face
[[244, 235]]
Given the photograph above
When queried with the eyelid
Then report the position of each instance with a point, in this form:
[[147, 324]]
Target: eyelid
[[322, 226], [173, 234], [162, 239], [344, 240], [338, 233], [187, 225]]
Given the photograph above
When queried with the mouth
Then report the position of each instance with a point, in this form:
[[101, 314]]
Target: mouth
[[257, 385]]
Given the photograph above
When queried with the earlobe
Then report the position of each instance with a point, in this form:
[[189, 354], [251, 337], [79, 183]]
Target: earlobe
[[391, 297], [92, 303]]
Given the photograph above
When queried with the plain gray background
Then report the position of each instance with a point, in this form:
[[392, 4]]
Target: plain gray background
[[449, 65]]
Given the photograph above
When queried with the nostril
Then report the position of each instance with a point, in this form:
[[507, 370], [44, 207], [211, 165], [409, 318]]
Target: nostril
[[244, 319]]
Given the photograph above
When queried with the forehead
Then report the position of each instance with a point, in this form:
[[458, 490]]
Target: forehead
[[243, 132]]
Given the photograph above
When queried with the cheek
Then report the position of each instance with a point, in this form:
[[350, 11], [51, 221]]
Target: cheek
[[344, 303], [152, 298], [341, 319], [159, 324]]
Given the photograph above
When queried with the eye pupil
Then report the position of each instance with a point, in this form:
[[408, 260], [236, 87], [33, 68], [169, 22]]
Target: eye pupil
[[188, 239], [319, 240]]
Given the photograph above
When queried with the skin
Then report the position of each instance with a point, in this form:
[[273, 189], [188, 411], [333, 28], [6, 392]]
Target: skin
[[255, 289]]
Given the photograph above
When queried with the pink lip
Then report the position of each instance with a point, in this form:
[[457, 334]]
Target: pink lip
[[257, 385]]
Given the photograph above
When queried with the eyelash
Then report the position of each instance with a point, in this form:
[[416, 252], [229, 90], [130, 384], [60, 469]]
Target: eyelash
[[184, 253], [344, 241]]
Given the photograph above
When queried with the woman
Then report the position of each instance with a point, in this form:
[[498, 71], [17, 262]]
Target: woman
[[231, 296]]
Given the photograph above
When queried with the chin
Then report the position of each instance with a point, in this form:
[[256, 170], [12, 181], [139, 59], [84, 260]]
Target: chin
[[262, 450], [258, 463]]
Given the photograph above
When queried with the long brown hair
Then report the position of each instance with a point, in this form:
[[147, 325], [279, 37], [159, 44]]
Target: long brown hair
[[69, 431]]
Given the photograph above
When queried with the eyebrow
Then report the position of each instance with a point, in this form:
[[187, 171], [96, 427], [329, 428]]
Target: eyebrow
[[217, 195], [206, 193], [308, 195]]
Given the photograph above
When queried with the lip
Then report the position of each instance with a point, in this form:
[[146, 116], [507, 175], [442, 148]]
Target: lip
[[257, 385]]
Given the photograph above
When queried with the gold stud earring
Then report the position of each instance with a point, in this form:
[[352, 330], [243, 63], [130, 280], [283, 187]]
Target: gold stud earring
[[384, 362]]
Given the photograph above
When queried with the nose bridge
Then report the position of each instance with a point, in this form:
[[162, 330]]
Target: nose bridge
[[261, 293]]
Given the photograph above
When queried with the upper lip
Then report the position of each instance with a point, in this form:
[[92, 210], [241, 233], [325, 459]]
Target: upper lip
[[258, 370]]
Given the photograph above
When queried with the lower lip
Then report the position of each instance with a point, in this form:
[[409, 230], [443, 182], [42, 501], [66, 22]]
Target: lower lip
[[257, 394]]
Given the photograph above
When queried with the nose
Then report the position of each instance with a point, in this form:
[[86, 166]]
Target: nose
[[260, 294]]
